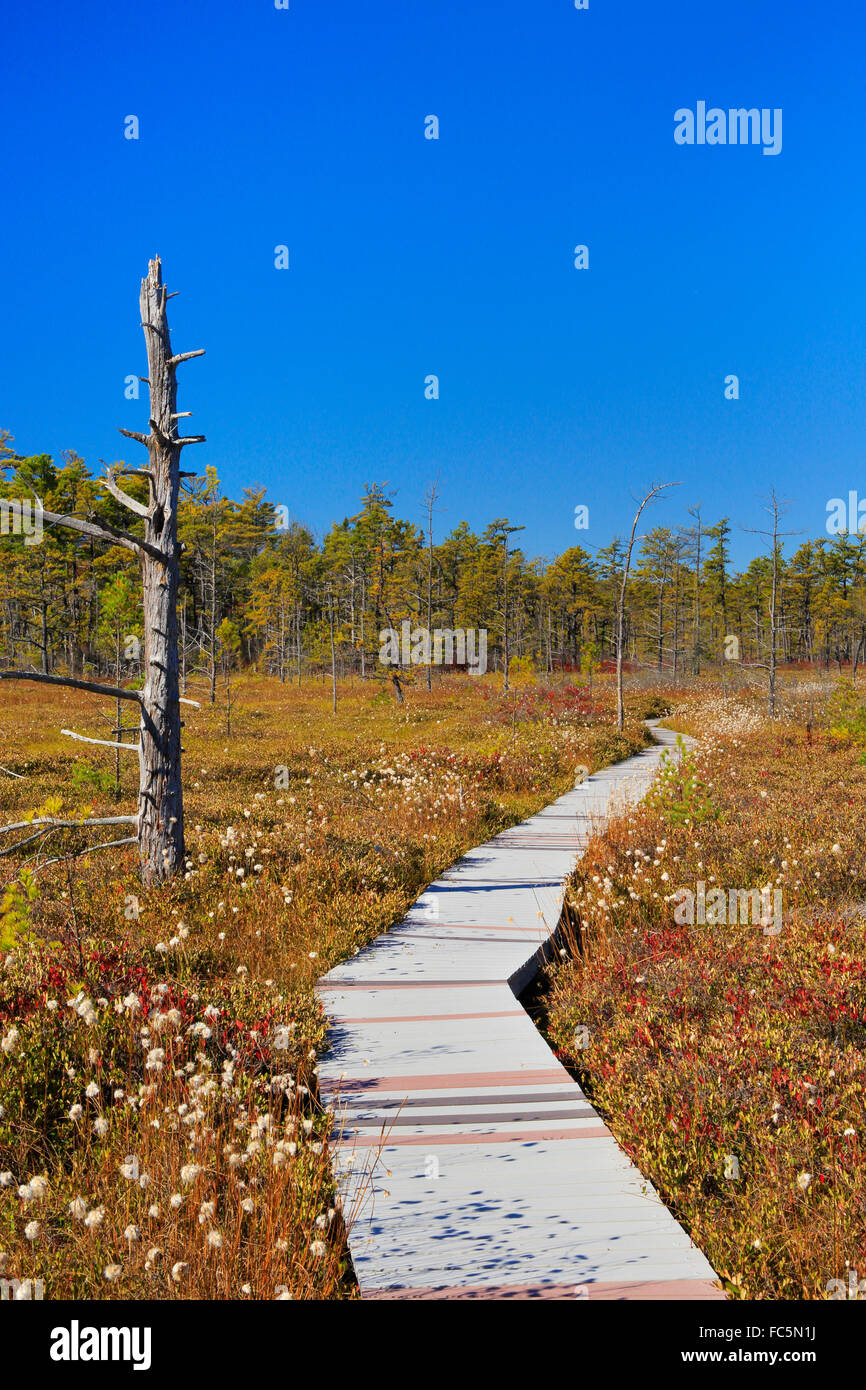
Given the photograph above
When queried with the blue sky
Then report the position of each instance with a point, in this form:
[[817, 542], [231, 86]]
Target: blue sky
[[409, 257]]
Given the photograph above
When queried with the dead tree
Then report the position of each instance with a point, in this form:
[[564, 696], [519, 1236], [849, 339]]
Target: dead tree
[[776, 508], [159, 820], [620, 607]]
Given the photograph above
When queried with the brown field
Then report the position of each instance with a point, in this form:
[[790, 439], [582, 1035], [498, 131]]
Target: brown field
[[728, 1057], [158, 1062]]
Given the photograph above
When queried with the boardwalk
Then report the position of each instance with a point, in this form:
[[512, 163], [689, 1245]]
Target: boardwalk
[[479, 1168]]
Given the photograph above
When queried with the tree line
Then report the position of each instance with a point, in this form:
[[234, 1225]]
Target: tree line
[[257, 590]]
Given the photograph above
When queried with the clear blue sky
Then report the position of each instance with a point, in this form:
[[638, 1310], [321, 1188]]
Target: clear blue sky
[[411, 257]]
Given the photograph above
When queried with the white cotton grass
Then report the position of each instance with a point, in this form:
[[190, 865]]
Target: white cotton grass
[[34, 1190], [190, 1079], [206, 1213]]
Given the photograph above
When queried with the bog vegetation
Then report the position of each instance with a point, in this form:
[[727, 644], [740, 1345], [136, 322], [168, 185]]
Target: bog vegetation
[[160, 1132], [728, 1057]]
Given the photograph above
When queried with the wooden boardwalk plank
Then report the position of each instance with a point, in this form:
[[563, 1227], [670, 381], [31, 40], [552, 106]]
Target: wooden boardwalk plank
[[476, 1166]]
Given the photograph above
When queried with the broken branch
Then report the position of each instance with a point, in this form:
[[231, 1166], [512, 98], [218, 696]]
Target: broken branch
[[103, 742], [134, 434], [53, 823], [123, 497], [185, 357], [103, 531], [117, 691]]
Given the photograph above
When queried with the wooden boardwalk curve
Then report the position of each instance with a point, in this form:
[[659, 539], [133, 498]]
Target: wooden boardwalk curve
[[477, 1166]]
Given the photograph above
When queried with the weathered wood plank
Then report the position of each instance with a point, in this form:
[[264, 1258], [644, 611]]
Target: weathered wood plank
[[482, 1168]]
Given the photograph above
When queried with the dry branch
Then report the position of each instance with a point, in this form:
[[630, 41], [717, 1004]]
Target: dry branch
[[123, 497], [114, 690], [134, 434], [104, 531], [53, 823], [103, 742]]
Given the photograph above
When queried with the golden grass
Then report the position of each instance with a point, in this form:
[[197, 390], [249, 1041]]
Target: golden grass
[[729, 1059], [158, 1062]]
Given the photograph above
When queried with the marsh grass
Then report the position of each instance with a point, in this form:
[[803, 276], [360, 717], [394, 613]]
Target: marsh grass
[[729, 1062], [160, 1133]]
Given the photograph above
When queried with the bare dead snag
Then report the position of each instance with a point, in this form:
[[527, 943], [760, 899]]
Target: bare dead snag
[[160, 794], [620, 607]]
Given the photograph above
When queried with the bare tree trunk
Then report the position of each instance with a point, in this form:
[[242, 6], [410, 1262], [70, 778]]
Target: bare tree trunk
[[620, 609], [363, 634], [430, 500], [160, 797], [775, 508], [333, 650], [183, 650], [505, 617], [660, 621], [118, 706], [213, 663], [696, 638], [773, 625], [46, 666], [506, 655], [676, 652]]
